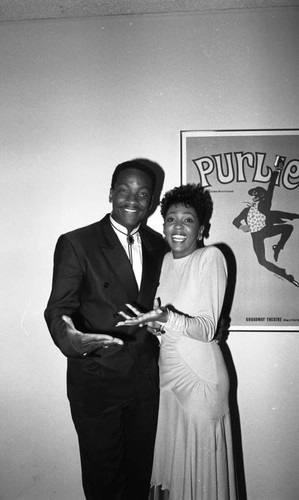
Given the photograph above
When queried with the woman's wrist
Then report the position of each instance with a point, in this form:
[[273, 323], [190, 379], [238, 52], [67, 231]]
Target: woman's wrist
[[164, 315]]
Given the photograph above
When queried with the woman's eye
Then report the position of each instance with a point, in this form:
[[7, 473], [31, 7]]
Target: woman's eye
[[143, 194]]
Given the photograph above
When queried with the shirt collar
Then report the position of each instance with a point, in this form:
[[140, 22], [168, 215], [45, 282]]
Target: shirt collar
[[121, 228]]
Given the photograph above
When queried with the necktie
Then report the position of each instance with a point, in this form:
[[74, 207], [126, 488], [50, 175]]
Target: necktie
[[130, 241]]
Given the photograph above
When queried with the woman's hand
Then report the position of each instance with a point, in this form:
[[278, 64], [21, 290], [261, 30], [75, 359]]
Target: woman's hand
[[155, 328], [77, 343], [159, 315]]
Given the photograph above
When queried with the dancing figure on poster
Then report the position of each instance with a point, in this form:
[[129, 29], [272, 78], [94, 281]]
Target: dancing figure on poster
[[261, 222]]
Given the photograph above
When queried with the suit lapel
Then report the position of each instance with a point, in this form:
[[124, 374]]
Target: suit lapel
[[149, 269]]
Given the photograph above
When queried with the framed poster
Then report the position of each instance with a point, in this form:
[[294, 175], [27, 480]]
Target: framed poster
[[253, 178]]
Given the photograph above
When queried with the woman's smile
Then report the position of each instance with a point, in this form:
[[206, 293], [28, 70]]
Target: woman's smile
[[178, 237]]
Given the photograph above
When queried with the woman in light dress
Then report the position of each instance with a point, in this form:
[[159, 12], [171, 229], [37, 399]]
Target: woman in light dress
[[193, 457]]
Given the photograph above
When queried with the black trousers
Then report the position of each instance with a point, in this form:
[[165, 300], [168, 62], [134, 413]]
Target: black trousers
[[116, 436]]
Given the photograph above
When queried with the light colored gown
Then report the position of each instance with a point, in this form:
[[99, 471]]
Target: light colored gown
[[193, 451]]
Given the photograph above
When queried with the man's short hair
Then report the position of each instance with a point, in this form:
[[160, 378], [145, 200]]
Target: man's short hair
[[137, 166]]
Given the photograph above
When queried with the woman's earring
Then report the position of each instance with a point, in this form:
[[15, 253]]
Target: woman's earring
[[200, 233]]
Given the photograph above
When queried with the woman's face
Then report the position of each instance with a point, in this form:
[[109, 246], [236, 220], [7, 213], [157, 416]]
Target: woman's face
[[181, 229]]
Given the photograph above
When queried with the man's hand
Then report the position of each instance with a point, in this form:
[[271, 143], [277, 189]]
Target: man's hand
[[280, 163], [245, 228], [222, 330], [78, 344]]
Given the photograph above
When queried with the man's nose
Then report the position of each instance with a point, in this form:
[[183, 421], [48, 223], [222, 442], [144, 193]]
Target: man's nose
[[132, 198]]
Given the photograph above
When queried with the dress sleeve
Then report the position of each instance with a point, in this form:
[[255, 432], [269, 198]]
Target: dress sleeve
[[211, 280]]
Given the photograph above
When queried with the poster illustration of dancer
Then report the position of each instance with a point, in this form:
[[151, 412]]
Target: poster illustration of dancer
[[253, 176]]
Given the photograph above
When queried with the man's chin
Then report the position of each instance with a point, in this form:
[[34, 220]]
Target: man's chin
[[130, 221]]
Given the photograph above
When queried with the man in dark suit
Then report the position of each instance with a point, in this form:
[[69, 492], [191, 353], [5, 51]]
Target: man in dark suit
[[112, 376]]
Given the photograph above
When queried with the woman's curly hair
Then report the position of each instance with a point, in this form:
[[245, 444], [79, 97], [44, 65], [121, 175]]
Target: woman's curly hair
[[190, 195]]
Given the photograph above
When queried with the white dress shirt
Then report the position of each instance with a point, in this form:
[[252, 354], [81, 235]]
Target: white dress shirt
[[122, 234]]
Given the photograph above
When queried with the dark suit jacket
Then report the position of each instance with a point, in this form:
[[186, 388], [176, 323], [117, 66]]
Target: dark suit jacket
[[92, 280]]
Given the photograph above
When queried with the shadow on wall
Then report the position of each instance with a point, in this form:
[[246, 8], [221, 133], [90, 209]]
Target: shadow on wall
[[160, 176], [233, 400]]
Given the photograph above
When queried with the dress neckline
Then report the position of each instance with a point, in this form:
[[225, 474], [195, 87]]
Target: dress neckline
[[182, 260]]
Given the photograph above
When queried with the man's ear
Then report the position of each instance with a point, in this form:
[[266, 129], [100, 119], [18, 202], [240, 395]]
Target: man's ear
[[110, 195]]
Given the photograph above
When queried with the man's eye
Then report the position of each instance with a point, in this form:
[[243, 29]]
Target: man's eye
[[143, 194]]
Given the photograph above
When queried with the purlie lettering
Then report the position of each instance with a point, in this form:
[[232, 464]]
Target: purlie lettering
[[244, 167]]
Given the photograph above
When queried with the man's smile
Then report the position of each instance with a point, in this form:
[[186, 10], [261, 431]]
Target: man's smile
[[130, 210]]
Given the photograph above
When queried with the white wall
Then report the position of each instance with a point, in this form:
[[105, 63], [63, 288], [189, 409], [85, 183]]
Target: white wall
[[78, 97]]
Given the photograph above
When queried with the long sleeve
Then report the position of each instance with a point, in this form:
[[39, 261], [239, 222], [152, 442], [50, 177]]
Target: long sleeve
[[65, 295], [207, 281]]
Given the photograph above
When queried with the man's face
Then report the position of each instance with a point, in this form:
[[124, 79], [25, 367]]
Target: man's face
[[131, 197], [257, 195]]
